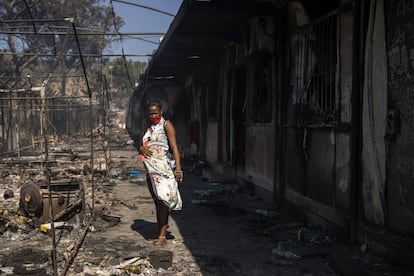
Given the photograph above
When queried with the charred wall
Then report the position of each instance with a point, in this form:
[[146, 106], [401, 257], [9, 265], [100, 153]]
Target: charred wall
[[400, 119]]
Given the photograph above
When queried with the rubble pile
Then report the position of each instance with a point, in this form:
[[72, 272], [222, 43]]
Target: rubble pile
[[25, 211], [25, 223]]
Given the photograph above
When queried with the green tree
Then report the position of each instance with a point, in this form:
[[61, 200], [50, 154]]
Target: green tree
[[51, 46], [122, 74]]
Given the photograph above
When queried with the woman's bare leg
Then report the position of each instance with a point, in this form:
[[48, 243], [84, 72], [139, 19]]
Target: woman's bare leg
[[162, 212], [162, 219]]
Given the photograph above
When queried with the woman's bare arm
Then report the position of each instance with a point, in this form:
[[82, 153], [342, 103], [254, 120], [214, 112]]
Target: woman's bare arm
[[170, 130]]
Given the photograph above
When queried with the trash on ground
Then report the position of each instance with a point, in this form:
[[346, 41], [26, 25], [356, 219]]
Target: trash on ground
[[266, 213], [115, 172], [8, 194], [134, 173], [133, 268], [285, 254], [45, 227], [114, 181], [113, 220]]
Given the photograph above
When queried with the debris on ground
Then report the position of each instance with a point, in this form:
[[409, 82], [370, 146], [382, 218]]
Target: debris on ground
[[103, 225]]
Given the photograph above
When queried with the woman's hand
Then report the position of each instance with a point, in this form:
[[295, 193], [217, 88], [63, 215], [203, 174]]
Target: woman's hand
[[145, 151], [179, 175]]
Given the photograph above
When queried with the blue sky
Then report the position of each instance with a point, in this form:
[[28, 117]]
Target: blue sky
[[139, 19]]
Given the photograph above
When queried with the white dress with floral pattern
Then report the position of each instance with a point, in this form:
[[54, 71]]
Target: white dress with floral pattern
[[158, 167]]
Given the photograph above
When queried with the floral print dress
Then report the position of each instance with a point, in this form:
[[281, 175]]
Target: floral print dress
[[158, 167]]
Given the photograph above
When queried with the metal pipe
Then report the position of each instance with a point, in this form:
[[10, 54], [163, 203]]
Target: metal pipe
[[90, 117], [83, 33], [31, 20], [92, 157], [74, 55], [10, 123], [81, 57], [43, 77], [43, 129], [33, 89], [76, 249]]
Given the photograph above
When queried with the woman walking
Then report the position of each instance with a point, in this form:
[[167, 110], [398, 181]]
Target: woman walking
[[162, 179]]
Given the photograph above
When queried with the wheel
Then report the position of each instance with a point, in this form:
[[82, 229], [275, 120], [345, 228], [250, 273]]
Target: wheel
[[31, 200]]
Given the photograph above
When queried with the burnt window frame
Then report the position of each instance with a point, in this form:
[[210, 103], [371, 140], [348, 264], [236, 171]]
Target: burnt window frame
[[314, 91]]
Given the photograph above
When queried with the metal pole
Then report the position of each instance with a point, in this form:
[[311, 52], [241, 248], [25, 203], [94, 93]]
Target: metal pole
[[72, 20], [110, 84], [92, 156], [76, 249], [43, 121], [10, 124], [72, 55]]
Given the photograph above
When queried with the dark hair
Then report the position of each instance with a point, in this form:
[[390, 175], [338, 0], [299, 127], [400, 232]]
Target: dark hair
[[156, 103]]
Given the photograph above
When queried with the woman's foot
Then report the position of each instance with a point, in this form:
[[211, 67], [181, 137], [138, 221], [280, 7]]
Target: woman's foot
[[160, 241]]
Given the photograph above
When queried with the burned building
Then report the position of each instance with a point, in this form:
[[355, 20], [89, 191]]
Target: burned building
[[306, 102]]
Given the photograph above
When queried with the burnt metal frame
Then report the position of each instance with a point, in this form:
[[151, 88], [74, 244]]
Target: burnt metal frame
[[315, 70]]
